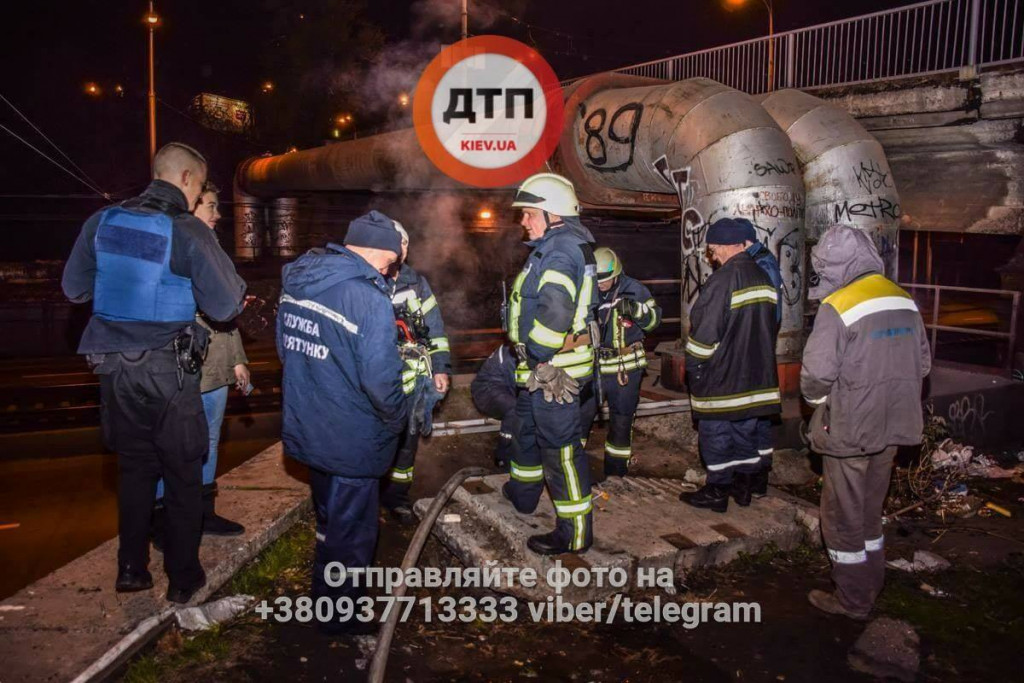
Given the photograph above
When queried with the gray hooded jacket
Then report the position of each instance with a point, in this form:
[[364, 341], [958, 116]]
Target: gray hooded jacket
[[867, 355]]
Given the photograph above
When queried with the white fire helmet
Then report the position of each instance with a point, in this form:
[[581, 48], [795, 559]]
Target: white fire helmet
[[549, 192]]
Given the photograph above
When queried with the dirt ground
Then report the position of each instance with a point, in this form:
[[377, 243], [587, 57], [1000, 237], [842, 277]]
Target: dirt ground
[[970, 617]]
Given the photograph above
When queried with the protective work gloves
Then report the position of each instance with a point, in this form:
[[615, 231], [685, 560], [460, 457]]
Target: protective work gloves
[[558, 386], [630, 308]]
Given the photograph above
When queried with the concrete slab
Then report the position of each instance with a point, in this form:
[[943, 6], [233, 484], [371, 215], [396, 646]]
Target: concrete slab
[[639, 523], [57, 627]]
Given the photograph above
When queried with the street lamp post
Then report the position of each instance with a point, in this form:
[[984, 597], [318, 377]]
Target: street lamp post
[[771, 37], [152, 19]]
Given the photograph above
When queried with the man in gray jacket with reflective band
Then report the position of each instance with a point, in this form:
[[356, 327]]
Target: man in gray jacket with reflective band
[[862, 371]]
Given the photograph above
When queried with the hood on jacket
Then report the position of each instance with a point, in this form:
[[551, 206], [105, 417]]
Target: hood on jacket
[[842, 255], [320, 269], [578, 229]]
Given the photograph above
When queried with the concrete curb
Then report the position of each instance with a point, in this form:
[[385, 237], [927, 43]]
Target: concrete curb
[[71, 625]]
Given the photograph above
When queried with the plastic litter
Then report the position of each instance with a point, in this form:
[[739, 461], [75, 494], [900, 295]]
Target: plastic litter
[[924, 561], [204, 616], [451, 518]]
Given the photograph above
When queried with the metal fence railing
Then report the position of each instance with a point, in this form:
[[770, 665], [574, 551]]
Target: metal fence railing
[[916, 40]]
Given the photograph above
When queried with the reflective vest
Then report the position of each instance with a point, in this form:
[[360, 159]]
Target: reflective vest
[[134, 281]]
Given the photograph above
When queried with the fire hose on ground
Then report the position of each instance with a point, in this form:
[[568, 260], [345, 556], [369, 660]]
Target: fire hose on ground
[[412, 555]]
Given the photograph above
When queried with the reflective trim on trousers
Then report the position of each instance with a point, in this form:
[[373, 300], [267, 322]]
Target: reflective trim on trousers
[[568, 509], [617, 451], [401, 475], [873, 544], [525, 473], [734, 463], [847, 556]]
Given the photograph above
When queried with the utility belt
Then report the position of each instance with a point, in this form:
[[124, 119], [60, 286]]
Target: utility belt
[[416, 359], [183, 355], [577, 363], [624, 359]]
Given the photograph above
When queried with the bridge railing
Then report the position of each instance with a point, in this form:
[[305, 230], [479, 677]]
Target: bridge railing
[[916, 40]]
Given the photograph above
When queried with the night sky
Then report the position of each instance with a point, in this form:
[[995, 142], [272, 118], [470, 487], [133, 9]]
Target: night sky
[[51, 49]]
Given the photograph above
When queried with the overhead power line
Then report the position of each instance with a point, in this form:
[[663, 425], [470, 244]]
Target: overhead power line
[[43, 154]]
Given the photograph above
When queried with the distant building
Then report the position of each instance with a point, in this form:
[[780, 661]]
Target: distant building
[[222, 113]]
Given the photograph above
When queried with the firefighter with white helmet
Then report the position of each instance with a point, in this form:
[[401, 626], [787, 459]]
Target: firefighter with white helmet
[[626, 313], [549, 318]]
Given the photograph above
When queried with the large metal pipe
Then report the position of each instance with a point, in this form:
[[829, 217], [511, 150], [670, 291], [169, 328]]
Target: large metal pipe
[[250, 220], [715, 149], [389, 161], [846, 174]]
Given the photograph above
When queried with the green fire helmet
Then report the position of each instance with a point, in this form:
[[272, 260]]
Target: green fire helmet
[[609, 266]]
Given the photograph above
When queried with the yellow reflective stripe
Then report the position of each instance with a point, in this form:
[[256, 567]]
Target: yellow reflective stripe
[[620, 451], [526, 473], [581, 354], [545, 336], [750, 399], [572, 482], [754, 295], [515, 307], [553, 277], [573, 508], [439, 344], [429, 305], [702, 351], [653, 310], [579, 321], [400, 474], [870, 287]]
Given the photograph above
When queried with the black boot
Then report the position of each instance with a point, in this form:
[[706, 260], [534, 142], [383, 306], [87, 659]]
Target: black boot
[[131, 579], [182, 593], [158, 525], [551, 544], [741, 487], [711, 497], [616, 467], [759, 483], [214, 524], [404, 515]]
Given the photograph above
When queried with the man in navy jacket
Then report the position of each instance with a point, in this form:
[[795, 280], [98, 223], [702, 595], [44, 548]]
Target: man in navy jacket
[[343, 405]]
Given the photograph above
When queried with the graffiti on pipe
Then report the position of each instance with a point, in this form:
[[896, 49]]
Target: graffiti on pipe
[[695, 268], [871, 177], [775, 167], [620, 131], [876, 207], [967, 418]]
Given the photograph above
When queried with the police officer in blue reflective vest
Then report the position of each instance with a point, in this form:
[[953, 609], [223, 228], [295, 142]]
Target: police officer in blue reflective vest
[[764, 258], [147, 264], [425, 351], [343, 405], [550, 313], [626, 312]]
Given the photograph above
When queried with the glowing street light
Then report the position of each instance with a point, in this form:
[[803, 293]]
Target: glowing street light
[[152, 20], [267, 87], [403, 99], [119, 89], [93, 90], [486, 215], [736, 4], [336, 133]]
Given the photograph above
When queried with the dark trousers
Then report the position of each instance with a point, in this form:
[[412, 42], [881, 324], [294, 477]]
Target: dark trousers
[[157, 429], [851, 525], [622, 403], [728, 447], [551, 453], [346, 528], [395, 486], [498, 401], [765, 441]]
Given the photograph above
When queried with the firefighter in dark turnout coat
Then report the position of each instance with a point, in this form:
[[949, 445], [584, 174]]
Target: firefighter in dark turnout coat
[[426, 354], [626, 313], [730, 367], [550, 310]]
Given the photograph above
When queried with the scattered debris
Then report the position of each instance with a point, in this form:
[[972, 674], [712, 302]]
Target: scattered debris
[[695, 478], [998, 508], [204, 616], [451, 518], [924, 561], [932, 590], [11, 608], [888, 648], [951, 454]]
